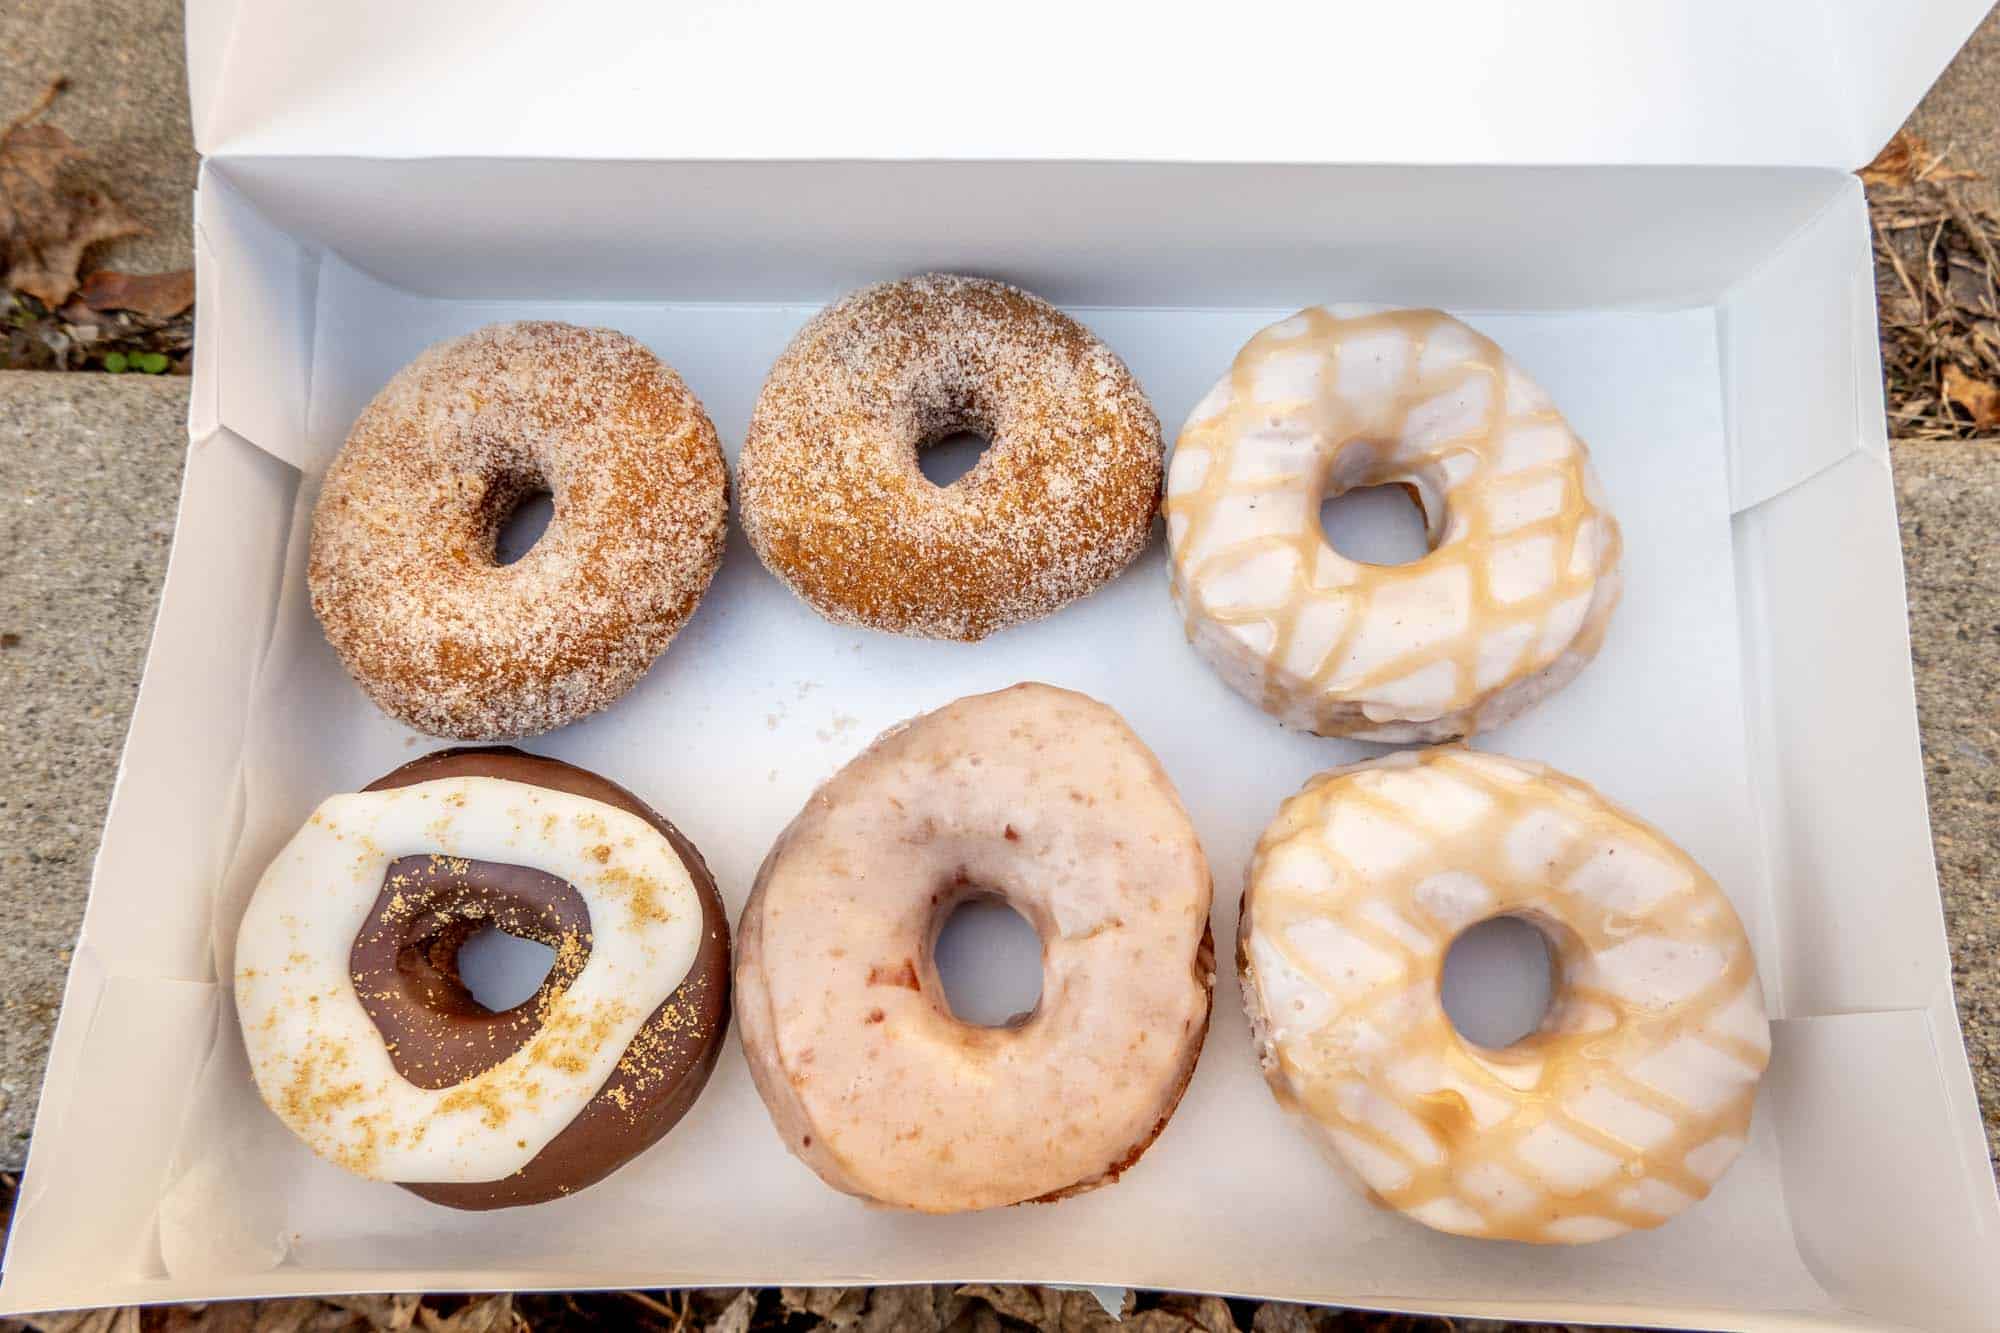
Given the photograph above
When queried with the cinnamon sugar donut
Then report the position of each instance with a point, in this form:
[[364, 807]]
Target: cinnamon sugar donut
[[1522, 576], [836, 507], [403, 573], [1042, 797]]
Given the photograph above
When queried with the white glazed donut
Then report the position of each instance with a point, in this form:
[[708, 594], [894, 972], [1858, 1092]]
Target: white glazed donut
[[1628, 1103], [1047, 799], [1522, 576]]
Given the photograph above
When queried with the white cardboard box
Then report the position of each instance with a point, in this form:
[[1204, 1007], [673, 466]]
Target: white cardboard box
[[1649, 203]]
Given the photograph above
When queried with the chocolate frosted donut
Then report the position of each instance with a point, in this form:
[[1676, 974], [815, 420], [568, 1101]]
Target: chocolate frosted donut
[[378, 1056], [403, 571], [836, 507]]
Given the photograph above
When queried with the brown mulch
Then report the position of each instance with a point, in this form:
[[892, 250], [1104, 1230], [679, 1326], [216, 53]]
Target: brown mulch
[[966, 1309], [76, 337], [1937, 262]]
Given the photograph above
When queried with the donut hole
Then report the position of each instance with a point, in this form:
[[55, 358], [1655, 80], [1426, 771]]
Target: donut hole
[[989, 959], [1376, 525], [951, 456], [522, 526], [502, 970], [1498, 981]]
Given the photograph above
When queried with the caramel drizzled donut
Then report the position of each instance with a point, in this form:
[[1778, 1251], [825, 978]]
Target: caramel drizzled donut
[[1622, 1109], [1044, 798], [836, 506], [1510, 604], [365, 1041], [403, 572]]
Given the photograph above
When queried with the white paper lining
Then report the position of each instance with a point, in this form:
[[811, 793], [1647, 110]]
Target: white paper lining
[[758, 700]]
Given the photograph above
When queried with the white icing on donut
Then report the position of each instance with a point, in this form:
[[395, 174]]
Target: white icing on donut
[[1044, 797], [319, 1060], [1632, 1098], [1522, 577]]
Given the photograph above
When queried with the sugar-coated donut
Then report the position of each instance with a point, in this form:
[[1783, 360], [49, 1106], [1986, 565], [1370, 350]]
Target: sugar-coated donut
[[1509, 605], [1047, 799], [365, 1041], [836, 507], [1622, 1109], [403, 573]]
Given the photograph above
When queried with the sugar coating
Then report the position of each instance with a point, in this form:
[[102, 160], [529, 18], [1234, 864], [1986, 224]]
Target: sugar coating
[[1523, 573], [402, 571], [1041, 796], [321, 1063], [1620, 1111], [836, 506]]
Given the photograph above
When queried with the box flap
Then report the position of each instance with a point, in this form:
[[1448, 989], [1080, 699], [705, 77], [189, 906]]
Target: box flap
[[1556, 81], [210, 24], [1885, 1167]]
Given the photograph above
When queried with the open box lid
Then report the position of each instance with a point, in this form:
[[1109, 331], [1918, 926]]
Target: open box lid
[[1705, 82]]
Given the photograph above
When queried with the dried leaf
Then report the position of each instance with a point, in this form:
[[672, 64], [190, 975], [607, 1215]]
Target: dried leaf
[[1979, 398], [908, 1310], [161, 295], [671, 1315], [47, 221], [835, 1307], [736, 1316], [1907, 159], [385, 1314], [1283, 1317], [977, 1317], [220, 1317], [1046, 1309], [1178, 1313], [294, 1316], [1892, 166], [272, 1316], [481, 1314], [125, 1320], [911, 1309], [1027, 1305]]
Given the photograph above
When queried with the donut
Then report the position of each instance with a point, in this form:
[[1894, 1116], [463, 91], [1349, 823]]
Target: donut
[[1041, 797], [1627, 1103], [402, 569], [364, 1040], [834, 503], [1522, 575]]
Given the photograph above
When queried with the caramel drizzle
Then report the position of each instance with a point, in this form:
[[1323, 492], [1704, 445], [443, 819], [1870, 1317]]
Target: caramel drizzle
[[1566, 1056], [1461, 531]]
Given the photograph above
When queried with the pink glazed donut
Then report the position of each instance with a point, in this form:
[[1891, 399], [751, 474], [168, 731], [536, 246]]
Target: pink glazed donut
[[1043, 798]]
